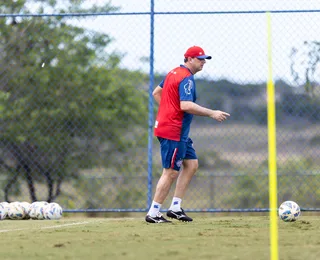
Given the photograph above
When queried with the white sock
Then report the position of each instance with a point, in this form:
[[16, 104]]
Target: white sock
[[176, 204], [154, 209]]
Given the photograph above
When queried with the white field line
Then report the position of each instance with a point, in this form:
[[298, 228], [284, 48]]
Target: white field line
[[17, 229], [48, 227], [65, 225]]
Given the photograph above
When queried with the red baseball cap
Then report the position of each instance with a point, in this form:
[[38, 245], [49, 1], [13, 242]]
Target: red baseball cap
[[196, 52]]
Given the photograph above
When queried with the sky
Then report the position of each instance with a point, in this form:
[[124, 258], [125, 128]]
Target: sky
[[237, 42]]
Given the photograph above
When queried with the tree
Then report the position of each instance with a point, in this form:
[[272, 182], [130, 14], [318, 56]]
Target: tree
[[304, 65], [63, 96]]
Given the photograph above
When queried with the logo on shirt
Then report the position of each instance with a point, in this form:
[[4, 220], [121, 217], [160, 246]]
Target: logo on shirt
[[188, 87]]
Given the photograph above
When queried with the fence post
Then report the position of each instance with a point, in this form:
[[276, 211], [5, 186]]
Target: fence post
[[151, 86]]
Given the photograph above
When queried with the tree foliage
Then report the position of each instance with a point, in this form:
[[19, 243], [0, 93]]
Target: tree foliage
[[305, 65], [63, 96]]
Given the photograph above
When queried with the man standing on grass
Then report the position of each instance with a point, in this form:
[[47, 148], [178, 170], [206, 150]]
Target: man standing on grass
[[176, 96]]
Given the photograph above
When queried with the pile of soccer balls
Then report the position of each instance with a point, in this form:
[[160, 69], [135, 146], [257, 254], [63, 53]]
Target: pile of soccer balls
[[24, 210], [289, 211]]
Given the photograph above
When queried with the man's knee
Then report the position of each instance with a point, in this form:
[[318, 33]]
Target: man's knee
[[170, 173], [191, 165]]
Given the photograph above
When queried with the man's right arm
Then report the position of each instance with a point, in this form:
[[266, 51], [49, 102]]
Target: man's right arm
[[157, 94]]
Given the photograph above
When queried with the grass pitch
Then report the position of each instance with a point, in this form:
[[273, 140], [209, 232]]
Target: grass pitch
[[131, 238]]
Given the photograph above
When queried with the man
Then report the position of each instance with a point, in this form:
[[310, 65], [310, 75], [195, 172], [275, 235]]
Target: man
[[176, 96]]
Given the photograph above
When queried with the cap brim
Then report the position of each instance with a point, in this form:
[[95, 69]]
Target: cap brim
[[204, 57]]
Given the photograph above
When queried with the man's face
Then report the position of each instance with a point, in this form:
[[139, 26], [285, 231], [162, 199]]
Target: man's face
[[197, 64]]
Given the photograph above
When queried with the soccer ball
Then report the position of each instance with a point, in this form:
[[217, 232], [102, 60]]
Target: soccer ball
[[16, 211], [53, 211], [289, 211], [37, 209], [32, 210], [26, 207], [3, 210]]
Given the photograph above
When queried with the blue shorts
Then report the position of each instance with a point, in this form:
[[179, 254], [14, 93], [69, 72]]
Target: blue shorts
[[173, 152]]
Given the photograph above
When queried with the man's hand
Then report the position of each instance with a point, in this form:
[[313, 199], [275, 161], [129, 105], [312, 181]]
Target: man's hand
[[219, 115]]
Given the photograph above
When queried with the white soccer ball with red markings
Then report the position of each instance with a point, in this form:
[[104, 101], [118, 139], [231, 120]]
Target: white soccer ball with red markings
[[53, 211], [289, 211], [16, 211]]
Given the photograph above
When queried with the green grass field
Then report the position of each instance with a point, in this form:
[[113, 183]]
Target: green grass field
[[229, 237]]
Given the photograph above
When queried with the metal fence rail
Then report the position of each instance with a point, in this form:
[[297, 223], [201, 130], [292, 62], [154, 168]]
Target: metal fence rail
[[77, 110]]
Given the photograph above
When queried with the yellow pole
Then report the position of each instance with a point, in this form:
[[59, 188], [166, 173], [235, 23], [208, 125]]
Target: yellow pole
[[274, 255]]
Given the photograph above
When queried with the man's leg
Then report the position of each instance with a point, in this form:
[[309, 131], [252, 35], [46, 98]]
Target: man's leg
[[188, 171], [164, 184], [162, 190]]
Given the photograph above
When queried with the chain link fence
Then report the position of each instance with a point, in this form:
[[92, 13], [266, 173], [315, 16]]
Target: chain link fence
[[77, 114]]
